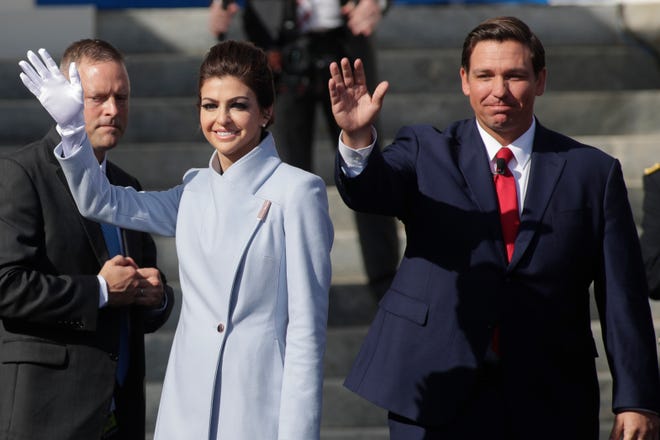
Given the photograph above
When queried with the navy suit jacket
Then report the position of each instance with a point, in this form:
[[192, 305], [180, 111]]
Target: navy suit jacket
[[428, 340]]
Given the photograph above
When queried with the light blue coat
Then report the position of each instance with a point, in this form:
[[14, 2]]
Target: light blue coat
[[254, 264]]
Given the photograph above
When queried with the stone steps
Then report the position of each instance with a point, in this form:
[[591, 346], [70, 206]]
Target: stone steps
[[184, 30], [407, 69], [575, 113], [603, 88]]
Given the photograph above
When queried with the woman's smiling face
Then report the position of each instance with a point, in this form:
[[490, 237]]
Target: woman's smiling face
[[231, 118]]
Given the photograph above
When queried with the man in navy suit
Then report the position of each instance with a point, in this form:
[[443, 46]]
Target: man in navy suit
[[485, 331]]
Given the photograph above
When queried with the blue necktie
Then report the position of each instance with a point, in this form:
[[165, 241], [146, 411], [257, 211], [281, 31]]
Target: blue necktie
[[111, 236]]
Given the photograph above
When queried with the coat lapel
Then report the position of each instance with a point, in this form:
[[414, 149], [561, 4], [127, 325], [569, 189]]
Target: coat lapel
[[473, 163], [237, 188], [92, 229], [547, 166]]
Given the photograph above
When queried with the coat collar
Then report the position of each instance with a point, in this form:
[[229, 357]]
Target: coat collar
[[475, 167], [547, 166], [237, 206], [92, 229], [251, 171]]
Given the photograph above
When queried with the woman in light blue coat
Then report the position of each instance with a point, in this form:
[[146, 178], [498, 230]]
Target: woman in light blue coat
[[253, 237]]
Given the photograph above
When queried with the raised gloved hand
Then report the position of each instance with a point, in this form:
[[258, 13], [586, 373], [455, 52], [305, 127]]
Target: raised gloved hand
[[61, 98]]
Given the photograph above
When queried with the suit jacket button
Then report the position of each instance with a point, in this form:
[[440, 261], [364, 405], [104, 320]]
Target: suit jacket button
[[114, 357], [221, 328]]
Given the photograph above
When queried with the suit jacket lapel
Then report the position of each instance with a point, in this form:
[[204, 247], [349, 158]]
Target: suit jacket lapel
[[473, 163], [547, 166], [91, 229]]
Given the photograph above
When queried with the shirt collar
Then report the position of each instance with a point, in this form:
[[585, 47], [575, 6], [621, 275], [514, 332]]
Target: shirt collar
[[104, 164], [521, 147]]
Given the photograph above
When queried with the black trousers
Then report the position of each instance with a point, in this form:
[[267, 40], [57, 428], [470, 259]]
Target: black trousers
[[485, 417], [495, 412]]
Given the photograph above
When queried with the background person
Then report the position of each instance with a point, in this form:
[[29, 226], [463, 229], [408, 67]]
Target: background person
[[73, 314], [650, 238]]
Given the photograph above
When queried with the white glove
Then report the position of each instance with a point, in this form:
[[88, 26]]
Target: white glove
[[61, 98]]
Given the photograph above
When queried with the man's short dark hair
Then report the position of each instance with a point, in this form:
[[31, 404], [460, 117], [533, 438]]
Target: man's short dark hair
[[94, 50], [504, 29]]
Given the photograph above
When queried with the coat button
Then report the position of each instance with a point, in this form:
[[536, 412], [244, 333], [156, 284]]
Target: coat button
[[221, 328], [114, 357]]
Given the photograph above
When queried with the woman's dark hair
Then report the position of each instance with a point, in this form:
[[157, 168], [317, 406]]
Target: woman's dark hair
[[242, 60], [504, 29]]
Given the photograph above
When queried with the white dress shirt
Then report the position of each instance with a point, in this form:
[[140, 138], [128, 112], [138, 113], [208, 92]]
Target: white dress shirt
[[103, 285]]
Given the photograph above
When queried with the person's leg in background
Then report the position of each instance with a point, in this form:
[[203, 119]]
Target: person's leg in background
[[379, 240], [294, 134], [293, 130]]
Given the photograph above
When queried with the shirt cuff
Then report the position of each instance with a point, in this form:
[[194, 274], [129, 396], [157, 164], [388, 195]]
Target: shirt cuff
[[642, 410], [163, 304], [72, 141], [353, 161], [103, 291]]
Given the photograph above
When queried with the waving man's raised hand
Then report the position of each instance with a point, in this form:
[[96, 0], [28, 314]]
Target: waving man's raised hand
[[63, 99], [352, 106]]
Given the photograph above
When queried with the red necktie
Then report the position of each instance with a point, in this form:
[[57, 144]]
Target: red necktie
[[505, 185]]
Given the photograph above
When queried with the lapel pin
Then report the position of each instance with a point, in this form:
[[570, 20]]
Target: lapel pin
[[264, 210]]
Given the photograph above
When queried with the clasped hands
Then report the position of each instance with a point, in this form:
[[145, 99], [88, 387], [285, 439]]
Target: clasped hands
[[129, 284], [61, 97]]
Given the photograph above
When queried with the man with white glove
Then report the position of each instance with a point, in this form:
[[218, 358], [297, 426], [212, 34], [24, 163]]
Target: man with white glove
[[76, 297]]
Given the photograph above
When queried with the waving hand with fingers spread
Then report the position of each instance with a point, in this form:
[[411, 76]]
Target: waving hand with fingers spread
[[62, 98], [352, 106]]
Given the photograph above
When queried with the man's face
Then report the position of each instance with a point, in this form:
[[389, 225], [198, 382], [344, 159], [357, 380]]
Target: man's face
[[106, 90], [502, 87]]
